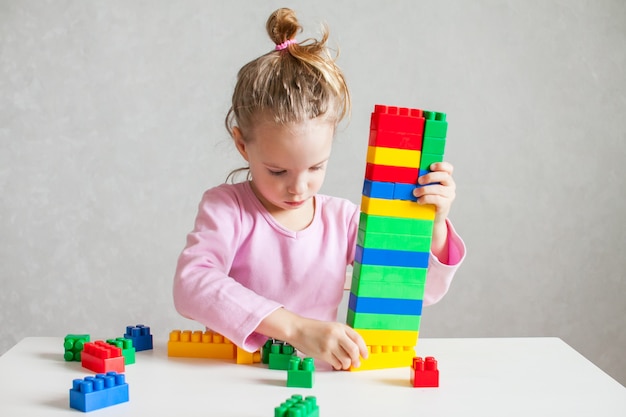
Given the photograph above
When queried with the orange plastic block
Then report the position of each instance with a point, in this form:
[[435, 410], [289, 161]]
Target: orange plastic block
[[397, 208], [101, 357], [384, 357], [199, 344], [393, 157], [245, 357]]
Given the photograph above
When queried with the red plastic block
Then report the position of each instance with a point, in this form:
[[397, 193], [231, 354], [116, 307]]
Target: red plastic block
[[101, 357], [385, 173], [412, 141], [397, 119], [424, 373]]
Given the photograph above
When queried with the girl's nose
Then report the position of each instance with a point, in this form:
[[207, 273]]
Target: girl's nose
[[298, 186]]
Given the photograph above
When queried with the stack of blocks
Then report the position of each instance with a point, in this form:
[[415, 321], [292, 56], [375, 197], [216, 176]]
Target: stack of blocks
[[394, 237], [296, 406], [97, 392]]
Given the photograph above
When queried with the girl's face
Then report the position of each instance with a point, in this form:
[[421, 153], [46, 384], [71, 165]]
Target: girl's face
[[287, 162]]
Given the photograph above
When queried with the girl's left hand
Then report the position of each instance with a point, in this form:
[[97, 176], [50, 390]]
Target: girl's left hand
[[441, 195]]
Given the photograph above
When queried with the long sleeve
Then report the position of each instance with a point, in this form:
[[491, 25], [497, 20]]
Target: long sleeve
[[440, 275], [203, 290]]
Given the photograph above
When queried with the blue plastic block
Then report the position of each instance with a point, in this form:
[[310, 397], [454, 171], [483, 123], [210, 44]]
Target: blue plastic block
[[404, 192], [378, 189], [367, 256], [98, 391], [385, 305], [141, 337]]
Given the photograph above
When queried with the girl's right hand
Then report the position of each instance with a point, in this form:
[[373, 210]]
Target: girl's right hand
[[336, 343]]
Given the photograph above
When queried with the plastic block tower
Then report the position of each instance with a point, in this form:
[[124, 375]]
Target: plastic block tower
[[126, 345], [296, 406], [101, 357], [140, 335], [94, 392], [395, 233], [277, 354], [301, 372], [73, 345], [424, 373]]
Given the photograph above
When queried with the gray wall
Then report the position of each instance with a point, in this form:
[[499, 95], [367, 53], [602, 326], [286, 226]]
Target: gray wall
[[111, 126]]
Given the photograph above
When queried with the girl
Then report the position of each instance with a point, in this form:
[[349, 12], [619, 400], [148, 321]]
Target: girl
[[268, 256]]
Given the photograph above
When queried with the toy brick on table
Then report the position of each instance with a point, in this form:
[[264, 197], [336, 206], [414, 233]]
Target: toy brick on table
[[95, 392], [141, 337]]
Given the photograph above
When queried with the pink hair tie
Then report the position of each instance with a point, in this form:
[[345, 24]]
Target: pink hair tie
[[285, 44]]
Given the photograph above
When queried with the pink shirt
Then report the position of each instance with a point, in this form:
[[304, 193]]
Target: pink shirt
[[239, 264]]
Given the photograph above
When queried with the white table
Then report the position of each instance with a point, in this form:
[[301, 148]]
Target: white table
[[479, 377]]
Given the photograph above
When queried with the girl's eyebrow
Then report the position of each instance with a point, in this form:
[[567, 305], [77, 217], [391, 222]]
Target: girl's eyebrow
[[272, 166]]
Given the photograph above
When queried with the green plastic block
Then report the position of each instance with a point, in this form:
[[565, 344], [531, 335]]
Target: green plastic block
[[382, 321], [435, 124], [385, 224], [390, 274], [279, 355], [435, 146], [126, 345], [301, 372], [73, 345], [296, 406], [392, 241], [428, 159], [382, 289]]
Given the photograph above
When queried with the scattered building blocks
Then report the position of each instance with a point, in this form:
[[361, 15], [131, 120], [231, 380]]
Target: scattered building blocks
[[126, 345], [199, 344], [140, 335], [277, 354], [103, 390], [296, 406], [73, 345], [101, 357], [424, 373], [301, 372]]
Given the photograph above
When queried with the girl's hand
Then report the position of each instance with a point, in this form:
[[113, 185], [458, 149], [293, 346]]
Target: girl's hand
[[336, 343], [440, 195]]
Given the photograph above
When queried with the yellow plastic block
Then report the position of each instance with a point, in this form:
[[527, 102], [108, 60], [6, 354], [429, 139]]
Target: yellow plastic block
[[384, 358], [245, 357], [388, 337], [397, 208], [393, 157], [198, 344]]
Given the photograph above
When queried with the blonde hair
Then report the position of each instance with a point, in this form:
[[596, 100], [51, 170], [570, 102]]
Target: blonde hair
[[297, 83]]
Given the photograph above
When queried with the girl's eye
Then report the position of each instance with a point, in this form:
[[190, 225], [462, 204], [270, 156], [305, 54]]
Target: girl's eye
[[276, 172], [317, 168]]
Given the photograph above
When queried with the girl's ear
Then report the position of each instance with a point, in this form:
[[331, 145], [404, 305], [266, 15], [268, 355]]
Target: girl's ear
[[240, 143]]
